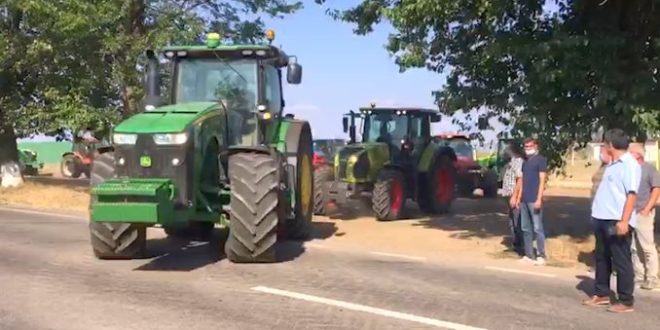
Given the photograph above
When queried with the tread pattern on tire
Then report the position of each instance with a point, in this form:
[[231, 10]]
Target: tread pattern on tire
[[114, 240], [322, 175], [381, 199], [253, 208], [299, 228], [426, 196]]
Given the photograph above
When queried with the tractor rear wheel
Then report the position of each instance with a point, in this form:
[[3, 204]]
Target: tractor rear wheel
[[389, 195], [299, 228], [322, 175], [254, 215], [438, 189], [70, 166], [114, 240]]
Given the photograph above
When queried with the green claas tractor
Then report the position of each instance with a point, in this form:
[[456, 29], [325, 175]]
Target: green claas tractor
[[396, 160], [217, 150]]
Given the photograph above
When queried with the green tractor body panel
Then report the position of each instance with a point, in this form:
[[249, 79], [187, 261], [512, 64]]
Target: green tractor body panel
[[429, 154], [148, 201], [167, 119], [360, 162]]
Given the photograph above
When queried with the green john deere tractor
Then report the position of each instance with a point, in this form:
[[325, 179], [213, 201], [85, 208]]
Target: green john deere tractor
[[218, 150], [396, 160]]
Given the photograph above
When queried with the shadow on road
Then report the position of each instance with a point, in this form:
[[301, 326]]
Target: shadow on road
[[174, 254]]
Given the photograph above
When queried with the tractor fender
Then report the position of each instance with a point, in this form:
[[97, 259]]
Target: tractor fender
[[431, 154], [292, 130], [67, 154]]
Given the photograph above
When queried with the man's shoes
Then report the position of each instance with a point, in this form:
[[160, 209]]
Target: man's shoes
[[620, 308], [526, 260], [539, 262], [597, 301], [648, 285]]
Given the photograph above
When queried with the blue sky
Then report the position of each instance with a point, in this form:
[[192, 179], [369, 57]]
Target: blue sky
[[343, 71]]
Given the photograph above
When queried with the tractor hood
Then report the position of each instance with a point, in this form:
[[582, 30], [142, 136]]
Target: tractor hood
[[167, 119], [360, 162]]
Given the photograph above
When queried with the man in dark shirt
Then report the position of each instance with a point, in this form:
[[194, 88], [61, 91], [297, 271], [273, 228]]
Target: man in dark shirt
[[531, 203]]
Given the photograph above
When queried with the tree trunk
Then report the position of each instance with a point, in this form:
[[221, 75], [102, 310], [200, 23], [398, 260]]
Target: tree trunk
[[10, 172]]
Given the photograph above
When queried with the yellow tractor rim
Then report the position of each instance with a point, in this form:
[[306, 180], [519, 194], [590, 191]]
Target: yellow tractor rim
[[305, 185]]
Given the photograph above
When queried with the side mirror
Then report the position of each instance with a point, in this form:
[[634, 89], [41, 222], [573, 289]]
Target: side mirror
[[482, 123], [344, 124], [294, 73], [436, 118]]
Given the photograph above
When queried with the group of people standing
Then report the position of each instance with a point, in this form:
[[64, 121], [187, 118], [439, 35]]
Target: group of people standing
[[622, 216]]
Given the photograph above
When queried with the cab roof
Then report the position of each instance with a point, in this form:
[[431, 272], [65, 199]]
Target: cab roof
[[230, 50], [407, 109]]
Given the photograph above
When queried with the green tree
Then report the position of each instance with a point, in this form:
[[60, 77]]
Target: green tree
[[74, 63], [563, 72]]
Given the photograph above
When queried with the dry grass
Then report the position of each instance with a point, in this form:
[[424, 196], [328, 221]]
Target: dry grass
[[47, 197]]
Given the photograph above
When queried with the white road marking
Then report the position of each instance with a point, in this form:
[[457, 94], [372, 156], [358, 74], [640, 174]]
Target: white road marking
[[509, 270], [396, 255], [59, 215], [366, 309]]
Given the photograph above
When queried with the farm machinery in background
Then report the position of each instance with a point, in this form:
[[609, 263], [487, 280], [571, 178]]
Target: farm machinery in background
[[324, 151], [217, 150], [471, 175], [28, 161], [395, 160]]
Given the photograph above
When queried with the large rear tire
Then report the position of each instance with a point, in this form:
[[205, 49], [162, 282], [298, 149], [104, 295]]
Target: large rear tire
[[301, 226], [114, 240], [389, 195], [254, 204], [438, 188], [322, 175], [70, 166]]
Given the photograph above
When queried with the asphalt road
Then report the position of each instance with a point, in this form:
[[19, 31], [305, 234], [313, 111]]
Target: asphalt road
[[50, 280]]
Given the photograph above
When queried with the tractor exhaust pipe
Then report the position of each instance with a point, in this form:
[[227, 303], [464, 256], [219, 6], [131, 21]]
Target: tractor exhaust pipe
[[152, 81]]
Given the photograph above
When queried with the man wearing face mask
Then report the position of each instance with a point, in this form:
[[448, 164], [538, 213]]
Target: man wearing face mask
[[531, 203], [613, 215]]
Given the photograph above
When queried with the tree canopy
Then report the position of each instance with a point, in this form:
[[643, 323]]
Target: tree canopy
[[559, 69], [72, 63]]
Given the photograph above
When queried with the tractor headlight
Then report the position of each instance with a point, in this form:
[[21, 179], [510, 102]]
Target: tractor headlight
[[352, 159], [119, 138], [178, 138]]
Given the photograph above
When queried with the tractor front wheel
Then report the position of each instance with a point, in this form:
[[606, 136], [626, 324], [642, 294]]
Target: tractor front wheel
[[322, 175], [389, 195], [253, 208], [114, 240]]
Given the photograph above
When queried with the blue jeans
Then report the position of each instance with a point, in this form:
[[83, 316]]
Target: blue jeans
[[532, 223]]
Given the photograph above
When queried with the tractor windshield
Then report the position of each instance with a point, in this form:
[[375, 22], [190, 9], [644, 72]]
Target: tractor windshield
[[385, 127], [208, 80]]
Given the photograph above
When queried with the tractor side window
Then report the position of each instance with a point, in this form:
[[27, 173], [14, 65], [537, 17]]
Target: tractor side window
[[273, 91]]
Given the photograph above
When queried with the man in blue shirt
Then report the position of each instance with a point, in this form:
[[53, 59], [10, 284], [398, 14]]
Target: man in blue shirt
[[534, 170], [613, 216]]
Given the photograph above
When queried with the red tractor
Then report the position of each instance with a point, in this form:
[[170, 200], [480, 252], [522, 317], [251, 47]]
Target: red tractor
[[470, 175]]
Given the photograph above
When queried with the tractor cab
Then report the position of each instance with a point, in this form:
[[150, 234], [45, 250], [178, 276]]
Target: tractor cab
[[399, 132]]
